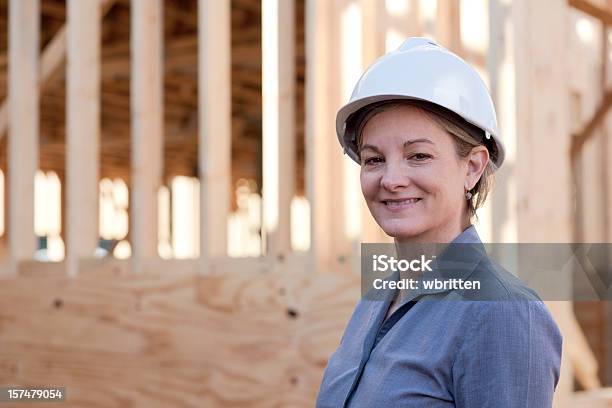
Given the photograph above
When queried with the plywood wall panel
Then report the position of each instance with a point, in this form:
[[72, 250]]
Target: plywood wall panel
[[171, 337]]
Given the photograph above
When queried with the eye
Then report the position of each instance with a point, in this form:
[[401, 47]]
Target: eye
[[420, 156], [372, 160]]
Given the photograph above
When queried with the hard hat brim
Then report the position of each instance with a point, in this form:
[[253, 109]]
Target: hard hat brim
[[346, 111]]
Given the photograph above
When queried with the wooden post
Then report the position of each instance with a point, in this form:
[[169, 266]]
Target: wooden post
[[318, 127], [278, 88], [373, 40], [606, 153], [542, 111], [147, 127], [544, 204], [214, 148], [63, 214], [346, 50], [373, 31], [324, 159], [448, 25], [83, 130], [4, 242], [501, 71], [24, 27]]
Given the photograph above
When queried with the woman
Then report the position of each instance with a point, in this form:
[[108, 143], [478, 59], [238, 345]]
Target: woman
[[422, 126]]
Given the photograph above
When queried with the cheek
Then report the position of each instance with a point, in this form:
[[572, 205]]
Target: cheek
[[369, 184], [428, 181], [441, 184], [451, 188]]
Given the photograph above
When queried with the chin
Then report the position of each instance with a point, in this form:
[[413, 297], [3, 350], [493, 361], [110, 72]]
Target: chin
[[398, 229]]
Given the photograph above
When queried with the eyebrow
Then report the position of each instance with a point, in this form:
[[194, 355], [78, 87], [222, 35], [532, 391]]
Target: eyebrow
[[406, 144]]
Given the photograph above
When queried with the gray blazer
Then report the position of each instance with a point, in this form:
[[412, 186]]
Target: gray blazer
[[447, 351]]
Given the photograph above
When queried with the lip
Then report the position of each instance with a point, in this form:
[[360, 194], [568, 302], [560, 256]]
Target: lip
[[400, 204]]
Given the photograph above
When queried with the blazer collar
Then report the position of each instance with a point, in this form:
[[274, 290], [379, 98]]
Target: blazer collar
[[457, 261]]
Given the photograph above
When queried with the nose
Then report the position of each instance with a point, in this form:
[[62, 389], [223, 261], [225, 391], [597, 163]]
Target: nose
[[394, 177]]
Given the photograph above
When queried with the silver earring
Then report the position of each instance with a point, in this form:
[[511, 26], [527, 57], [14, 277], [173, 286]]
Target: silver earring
[[468, 195]]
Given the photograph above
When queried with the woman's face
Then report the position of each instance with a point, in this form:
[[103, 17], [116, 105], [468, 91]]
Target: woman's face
[[412, 177]]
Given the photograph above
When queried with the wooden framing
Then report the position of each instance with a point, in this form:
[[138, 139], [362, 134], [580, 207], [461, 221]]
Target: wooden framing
[[605, 154], [589, 155], [23, 136], [324, 174], [448, 25], [51, 60], [403, 19], [278, 138], [600, 13], [214, 144], [147, 126], [373, 31], [502, 79], [83, 130], [543, 127], [346, 59], [580, 138], [373, 35], [317, 113]]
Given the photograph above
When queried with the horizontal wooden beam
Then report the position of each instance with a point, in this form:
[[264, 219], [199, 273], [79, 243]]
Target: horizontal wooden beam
[[598, 12]]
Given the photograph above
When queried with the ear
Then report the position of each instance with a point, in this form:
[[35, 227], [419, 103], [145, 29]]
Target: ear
[[476, 164]]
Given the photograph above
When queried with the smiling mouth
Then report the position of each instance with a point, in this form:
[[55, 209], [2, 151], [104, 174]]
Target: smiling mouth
[[400, 204]]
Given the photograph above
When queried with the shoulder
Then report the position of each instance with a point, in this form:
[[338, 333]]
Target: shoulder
[[516, 325], [513, 331], [519, 314], [506, 303], [496, 283]]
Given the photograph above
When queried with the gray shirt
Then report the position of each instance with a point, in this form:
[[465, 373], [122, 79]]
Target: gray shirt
[[449, 350]]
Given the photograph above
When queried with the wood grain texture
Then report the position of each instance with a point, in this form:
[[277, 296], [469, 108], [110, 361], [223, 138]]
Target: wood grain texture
[[171, 337]]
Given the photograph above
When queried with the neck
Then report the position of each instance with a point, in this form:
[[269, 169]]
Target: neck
[[442, 235], [422, 245]]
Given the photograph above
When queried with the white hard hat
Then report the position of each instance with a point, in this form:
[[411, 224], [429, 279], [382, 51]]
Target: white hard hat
[[422, 70]]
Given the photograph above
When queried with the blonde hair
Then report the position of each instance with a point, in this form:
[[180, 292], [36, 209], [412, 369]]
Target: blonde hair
[[465, 135]]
